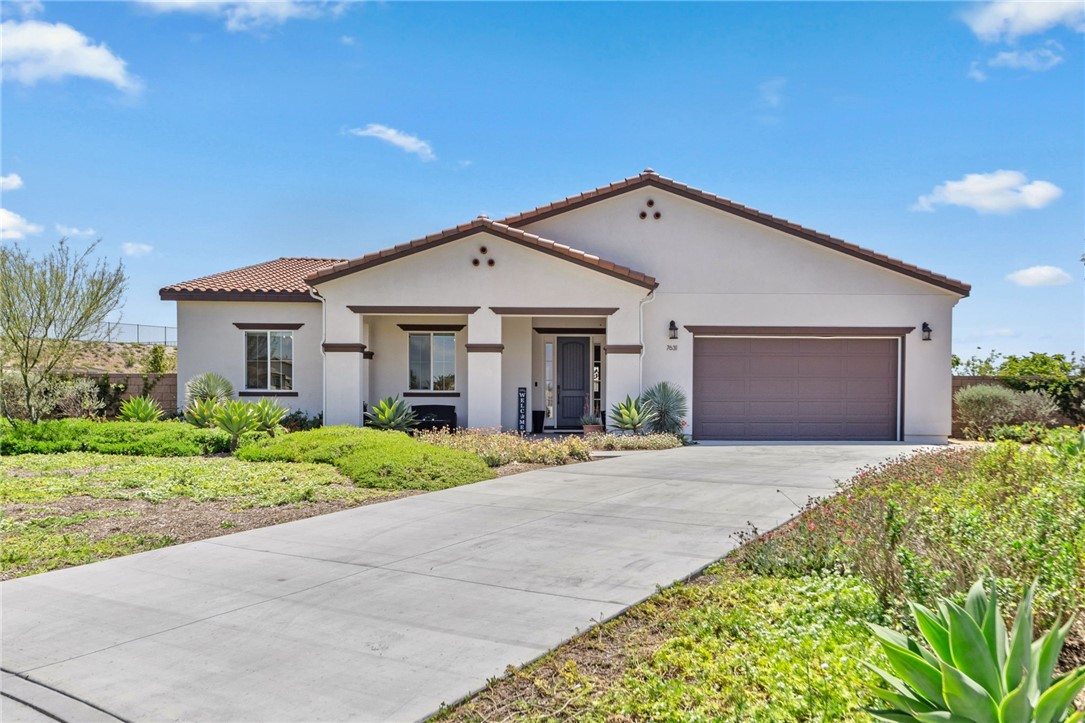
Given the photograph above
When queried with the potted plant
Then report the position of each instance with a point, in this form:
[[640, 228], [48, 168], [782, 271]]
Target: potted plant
[[592, 425]]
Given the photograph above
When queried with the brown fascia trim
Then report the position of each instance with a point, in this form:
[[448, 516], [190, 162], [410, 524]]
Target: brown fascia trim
[[431, 327], [808, 331], [551, 311], [430, 394], [266, 394], [569, 330], [266, 327], [345, 346], [516, 236], [486, 347], [415, 310], [623, 348], [750, 214], [289, 296], [367, 354]]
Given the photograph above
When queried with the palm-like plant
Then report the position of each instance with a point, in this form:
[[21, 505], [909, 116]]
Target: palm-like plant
[[970, 671], [632, 415], [140, 409], [391, 413], [235, 418], [208, 385], [670, 405], [268, 415], [201, 412]]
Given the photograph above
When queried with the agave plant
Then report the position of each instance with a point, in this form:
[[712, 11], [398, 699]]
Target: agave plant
[[632, 415], [235, 418], [140, 409], [208, 385], [201, 412], [969, 670], [268, 415], [670, 405], [391, 413]]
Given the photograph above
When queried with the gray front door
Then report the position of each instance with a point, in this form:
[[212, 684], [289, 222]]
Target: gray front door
[[574, 380]]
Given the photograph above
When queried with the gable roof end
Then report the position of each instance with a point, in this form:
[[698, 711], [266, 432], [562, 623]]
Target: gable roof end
[[649, 178], [280, 280], [483, 224]]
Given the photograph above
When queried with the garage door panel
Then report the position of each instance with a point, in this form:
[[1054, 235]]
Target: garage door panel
[[795, 388]]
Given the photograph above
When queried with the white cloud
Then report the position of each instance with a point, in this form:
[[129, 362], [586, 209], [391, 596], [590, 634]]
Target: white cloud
[[399, 139], [22, 8], [10, 182], [73, 231], [244, 15], [998, 192], [33, 50], [1038, 60], [771, 92], [131, 249], [1011, 19], [14, 227], [999, 333], [976, 73], [347, 39], [1040, 276]]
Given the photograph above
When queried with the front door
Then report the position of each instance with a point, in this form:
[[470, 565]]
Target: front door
[[574, 380]]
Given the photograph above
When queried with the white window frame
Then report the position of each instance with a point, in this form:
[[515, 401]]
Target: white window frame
[[429, 381], [267, 335]]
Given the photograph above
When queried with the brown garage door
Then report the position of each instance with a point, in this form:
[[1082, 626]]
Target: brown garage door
[[794, 388]]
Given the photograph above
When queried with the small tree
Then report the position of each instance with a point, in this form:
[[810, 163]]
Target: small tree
[[46, 304]]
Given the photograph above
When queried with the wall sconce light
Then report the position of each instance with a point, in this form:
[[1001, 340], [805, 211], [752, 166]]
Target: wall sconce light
[[926, 331], [673, 328]]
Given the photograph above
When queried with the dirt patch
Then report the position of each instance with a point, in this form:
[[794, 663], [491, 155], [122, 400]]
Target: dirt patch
[[517, 468]]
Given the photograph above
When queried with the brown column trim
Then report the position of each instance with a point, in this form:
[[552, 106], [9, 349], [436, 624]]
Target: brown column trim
[[413, 309], [266, 326], [430, 394], [247, 393], [431, 327], [329, 346], [900, 371], [485, 347], [623, 348], [569, 330], [827, 331], [367, 355], [552, 310]]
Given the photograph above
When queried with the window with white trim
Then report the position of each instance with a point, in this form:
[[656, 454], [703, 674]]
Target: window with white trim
[[432, 362], [269, 360]]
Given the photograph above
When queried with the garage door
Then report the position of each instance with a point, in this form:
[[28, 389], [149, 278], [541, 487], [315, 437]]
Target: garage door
[[794, 388]]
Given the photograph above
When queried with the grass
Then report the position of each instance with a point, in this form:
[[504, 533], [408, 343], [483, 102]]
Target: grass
[[383, 460], [775, 632], [158, 439]]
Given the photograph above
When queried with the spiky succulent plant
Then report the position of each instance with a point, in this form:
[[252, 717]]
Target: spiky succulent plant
[[391, 413]]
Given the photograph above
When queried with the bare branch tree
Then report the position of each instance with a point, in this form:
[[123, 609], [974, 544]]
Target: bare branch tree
[[46, 304]]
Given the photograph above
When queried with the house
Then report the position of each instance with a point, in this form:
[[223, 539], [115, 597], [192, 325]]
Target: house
[[774, 330]]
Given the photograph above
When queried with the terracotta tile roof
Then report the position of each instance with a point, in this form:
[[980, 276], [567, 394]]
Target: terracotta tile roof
[[650, 178], [280, 280], [496, 228]]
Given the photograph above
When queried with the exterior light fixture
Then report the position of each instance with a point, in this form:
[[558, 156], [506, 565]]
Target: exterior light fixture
[[926, 331], [673, 330]]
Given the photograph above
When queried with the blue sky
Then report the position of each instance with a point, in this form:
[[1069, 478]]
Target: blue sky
[[197, 137]]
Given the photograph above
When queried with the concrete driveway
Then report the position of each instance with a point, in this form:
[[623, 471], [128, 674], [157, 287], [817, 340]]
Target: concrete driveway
[[385, 612]]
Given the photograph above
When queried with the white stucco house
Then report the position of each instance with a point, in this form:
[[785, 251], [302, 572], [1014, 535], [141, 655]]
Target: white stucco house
[[774, 330]]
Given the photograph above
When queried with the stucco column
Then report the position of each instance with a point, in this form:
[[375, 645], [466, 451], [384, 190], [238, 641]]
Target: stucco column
[[484, 349], [343, 349], [623, 352]]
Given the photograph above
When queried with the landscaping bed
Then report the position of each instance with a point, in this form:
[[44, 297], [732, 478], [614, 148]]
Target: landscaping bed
[[776, 631]]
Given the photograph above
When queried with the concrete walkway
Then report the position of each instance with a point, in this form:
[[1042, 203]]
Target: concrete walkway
[[385, 612]]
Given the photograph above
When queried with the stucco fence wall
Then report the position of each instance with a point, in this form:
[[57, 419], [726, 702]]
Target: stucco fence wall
[[962, 382]]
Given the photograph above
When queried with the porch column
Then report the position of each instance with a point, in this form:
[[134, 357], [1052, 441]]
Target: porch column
[[623, 352], [343, 367], [484, 348]]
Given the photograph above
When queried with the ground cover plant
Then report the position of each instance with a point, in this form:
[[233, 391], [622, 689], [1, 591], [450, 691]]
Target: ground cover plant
[[160, 439], [776, 632], [632, 442], [501, 448], [373, 458], [58, 510]]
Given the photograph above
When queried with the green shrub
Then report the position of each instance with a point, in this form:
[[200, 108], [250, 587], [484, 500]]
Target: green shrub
[[372, 458], [158, 439], [632, 415], [501, 448], [299, 421], [208, 385], [391, 413], [54, 397], [621, 442], [1034, 406], [984, 406], [236, 418], [671, 407], [970, 670], [140, 409], [1026, 433]]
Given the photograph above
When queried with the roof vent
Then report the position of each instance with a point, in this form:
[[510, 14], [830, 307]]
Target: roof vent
[[482, 215], [648, 172]]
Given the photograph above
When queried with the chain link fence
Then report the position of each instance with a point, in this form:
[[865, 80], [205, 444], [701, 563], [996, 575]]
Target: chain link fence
[[133, 334]]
